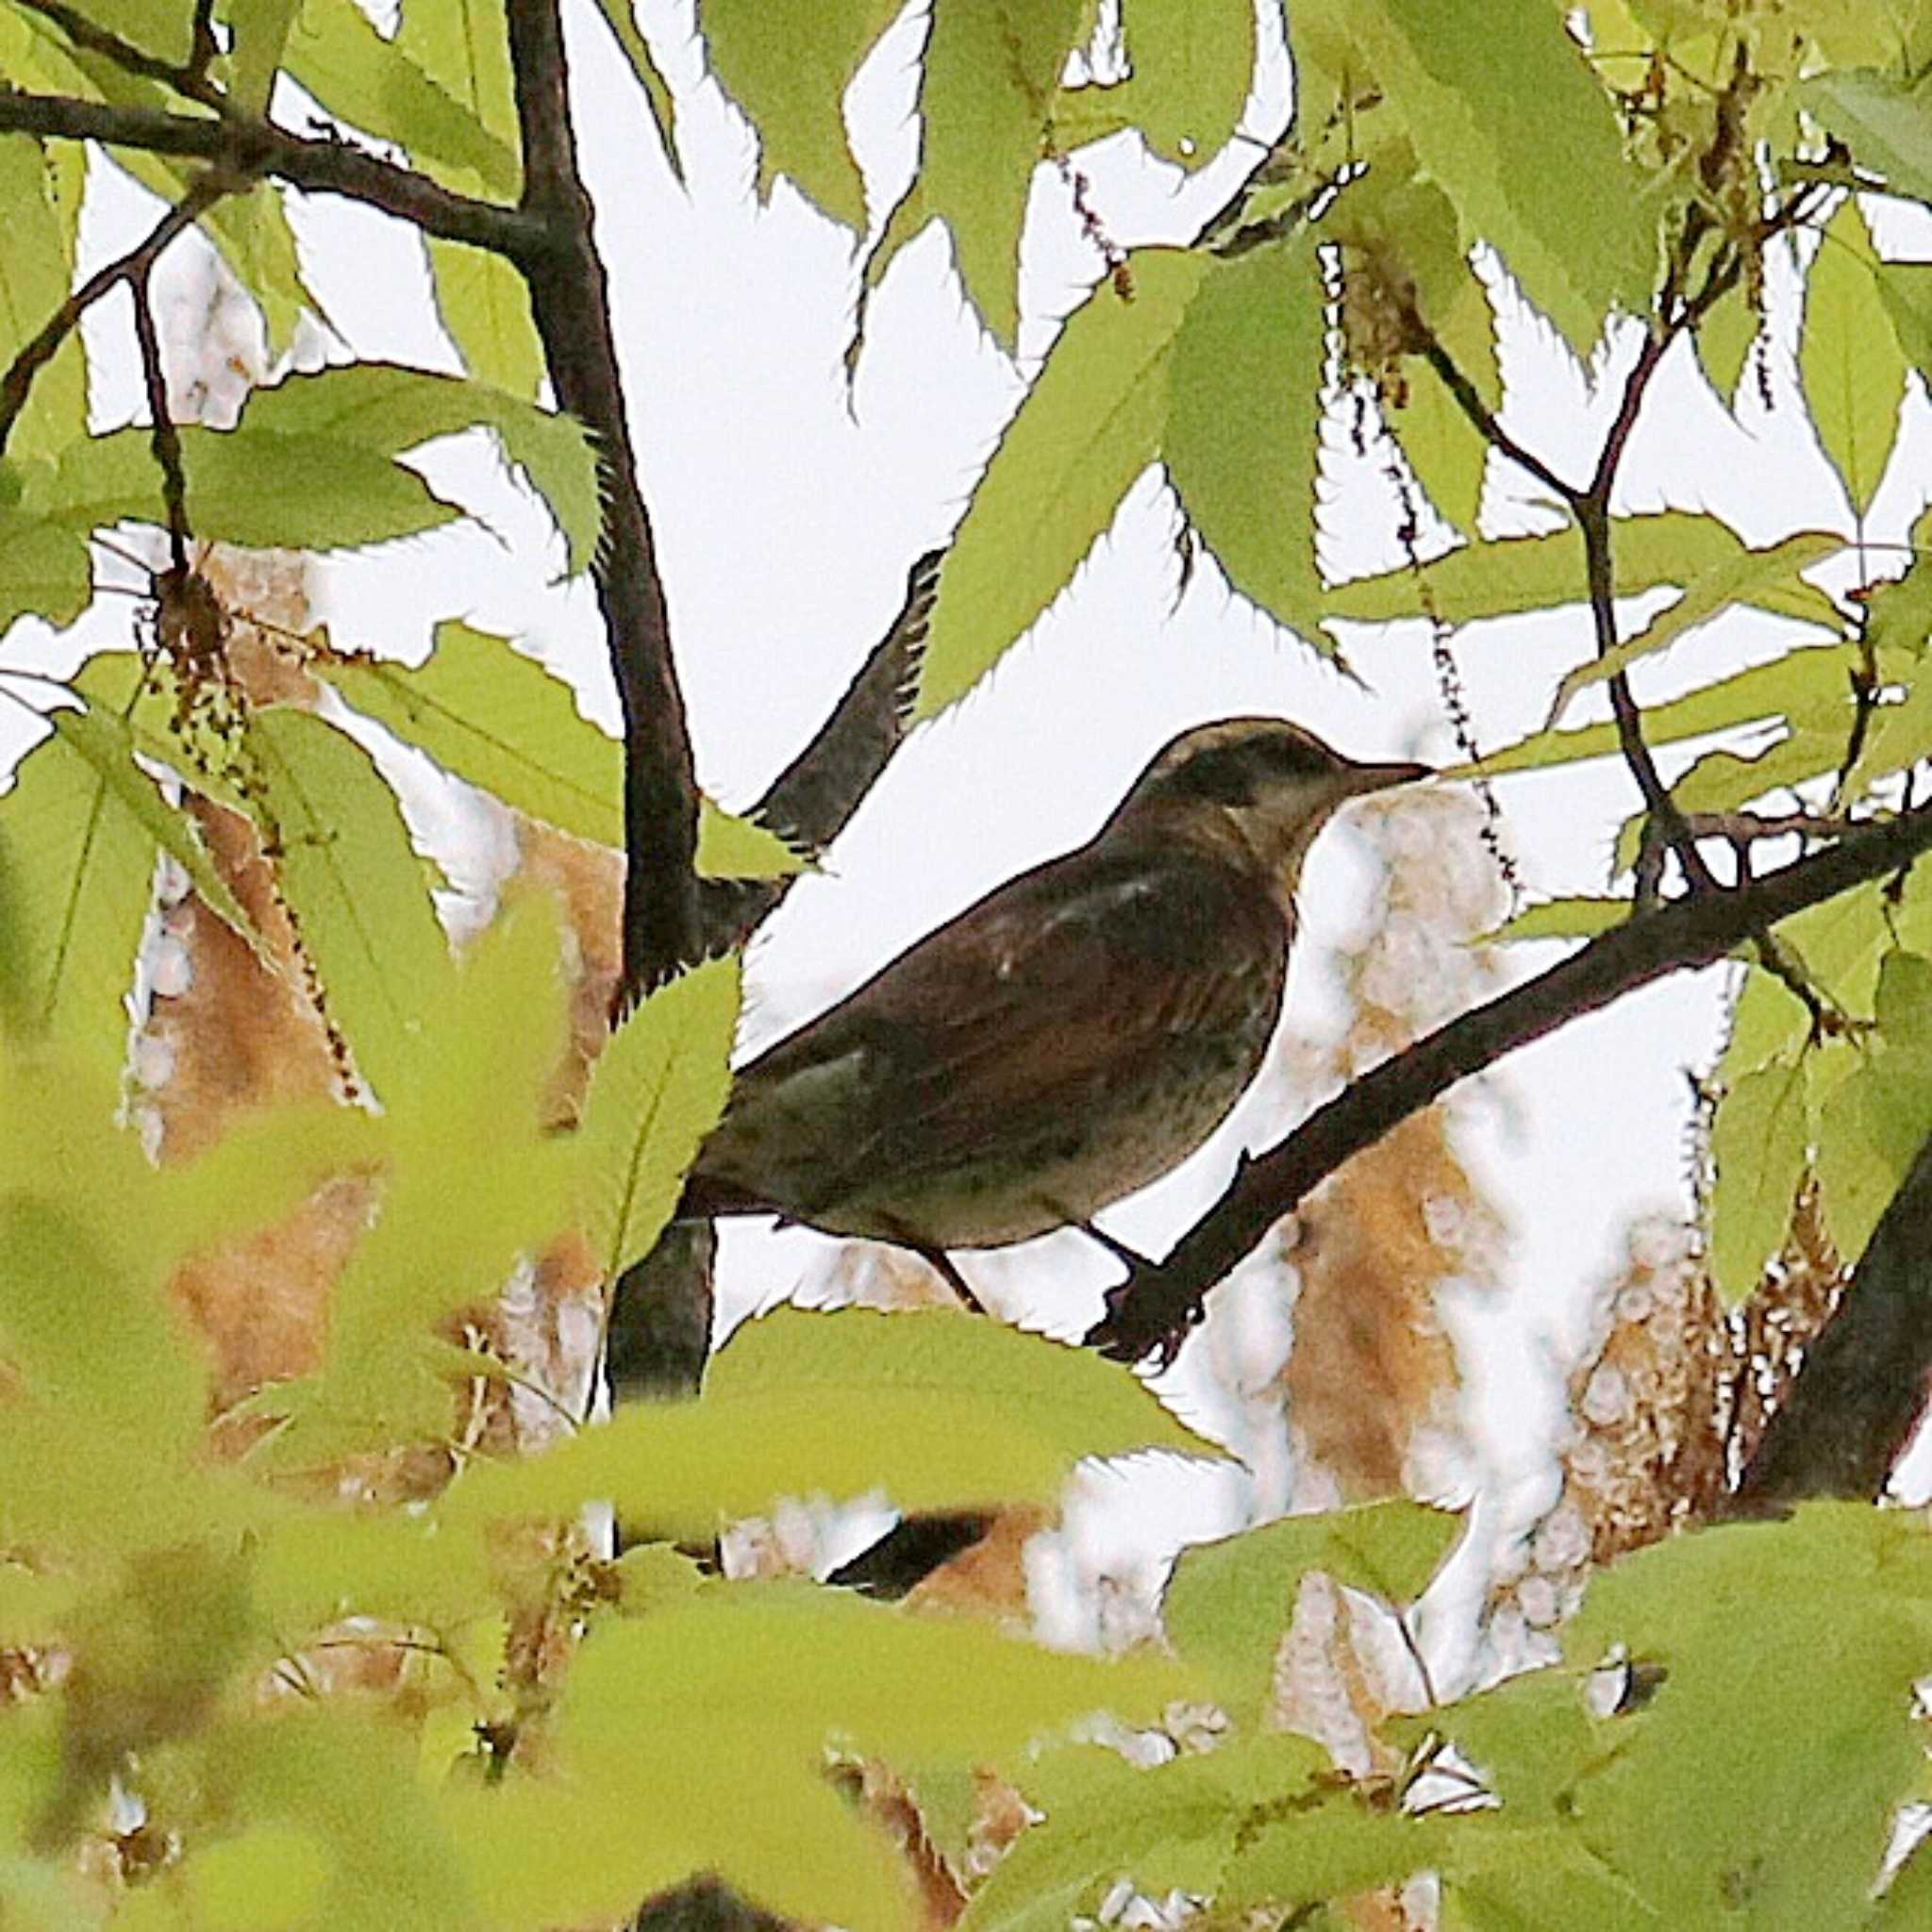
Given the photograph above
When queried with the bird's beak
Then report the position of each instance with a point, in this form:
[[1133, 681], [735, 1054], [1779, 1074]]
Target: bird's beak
[[1380, 777]]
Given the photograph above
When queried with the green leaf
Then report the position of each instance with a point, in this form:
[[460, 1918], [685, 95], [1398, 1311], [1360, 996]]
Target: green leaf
[[1743, 1779], [1244, 423], [1561, 918], [941, 1410], [791, 81], [316, 1566], [1088, 428], [1194, 61], [359, 888], [469, 1103], [382, 409], [463, 46], [485, 305], [1905, 290], [1758, 1149], [1898, 613], [1449, 457], [1808, 686], [731, 846], [259, 30], [1169, 1827], [350, 1786], [985, 95], [1724, 340], [1492, 578], [107, 744], [622, 21], [255, 239], [128, 1366], [1751, 577], [667, 1720], [45, 567], [36, 267], [82, 868], [1229, 1604], [268, 1878], [1853, 372], [1329, 1850], [1896, 739], [376, 84], [658, 1090], [1489, 90], [1873, 1123], [1883, 120], [497, 719], [1215, 366], [239, 489]]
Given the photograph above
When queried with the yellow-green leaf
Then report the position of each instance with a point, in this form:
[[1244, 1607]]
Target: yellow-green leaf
[[1853, 369], [1757, 1148]]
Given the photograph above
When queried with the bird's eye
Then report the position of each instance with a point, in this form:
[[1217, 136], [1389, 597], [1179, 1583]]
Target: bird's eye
[[1286, 756], [1225, 773]]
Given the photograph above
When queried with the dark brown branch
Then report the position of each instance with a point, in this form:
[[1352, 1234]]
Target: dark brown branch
[[17, 383], [258, 147], [188, 78], [1594, 520], [570, 302], [812, 800], [1853, 1409], [162, 434], [1152, 1309], [201, 45], [1674, 317], [1469, 400]]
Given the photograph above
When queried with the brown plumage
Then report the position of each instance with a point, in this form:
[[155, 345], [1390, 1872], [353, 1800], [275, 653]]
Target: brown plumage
[[1065, 1040]]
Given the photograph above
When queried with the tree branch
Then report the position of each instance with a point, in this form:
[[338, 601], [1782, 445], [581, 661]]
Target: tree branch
[[570, 302], [258, 147], [812, 800], [165, 438], [189, 79], [1153, 1308], [1863, 1388], [17, 383], [1482, 419]]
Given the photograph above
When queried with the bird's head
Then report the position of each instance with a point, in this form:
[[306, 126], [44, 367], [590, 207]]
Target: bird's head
[[1260, 788]]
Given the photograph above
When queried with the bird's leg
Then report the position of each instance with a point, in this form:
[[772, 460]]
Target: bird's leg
[[942, 1262], [936, 1259], [1114, 1246]]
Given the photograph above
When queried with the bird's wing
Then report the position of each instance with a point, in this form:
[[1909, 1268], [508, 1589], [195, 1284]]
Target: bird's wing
[[1018, 1013]]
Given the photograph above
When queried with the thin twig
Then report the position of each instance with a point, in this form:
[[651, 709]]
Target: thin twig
[[188, 78], [16, 385], [1151, 1311], [1469, 400], [163, 435], [253, 146]]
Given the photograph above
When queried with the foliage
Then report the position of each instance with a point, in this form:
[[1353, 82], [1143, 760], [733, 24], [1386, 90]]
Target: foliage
[[209, 1615]]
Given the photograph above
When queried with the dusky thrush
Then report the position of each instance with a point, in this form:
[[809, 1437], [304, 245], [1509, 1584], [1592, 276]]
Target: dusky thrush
[[1066, 1040]]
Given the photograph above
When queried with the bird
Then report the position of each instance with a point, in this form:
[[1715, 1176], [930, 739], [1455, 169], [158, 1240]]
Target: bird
[[1066, 1040]]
